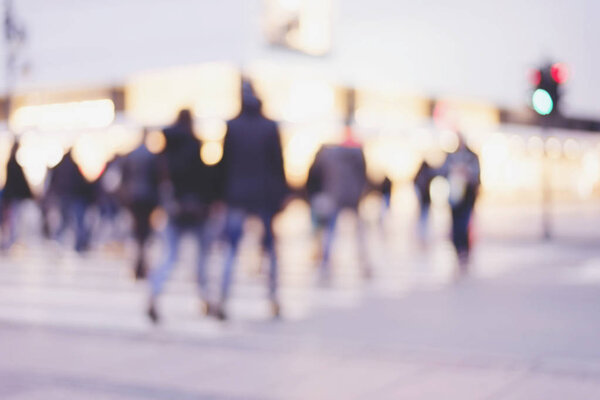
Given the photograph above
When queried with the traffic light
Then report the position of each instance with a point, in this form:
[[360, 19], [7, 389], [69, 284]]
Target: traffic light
[[542, 102], [546, 83]]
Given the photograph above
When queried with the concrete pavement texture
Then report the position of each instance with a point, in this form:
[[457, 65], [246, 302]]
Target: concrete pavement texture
[[524, 324]]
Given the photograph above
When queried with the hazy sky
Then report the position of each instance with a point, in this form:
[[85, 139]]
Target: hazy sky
[[466, 48]]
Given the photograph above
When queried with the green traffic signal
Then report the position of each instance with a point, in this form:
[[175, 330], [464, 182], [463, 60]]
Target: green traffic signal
[[542, 102]]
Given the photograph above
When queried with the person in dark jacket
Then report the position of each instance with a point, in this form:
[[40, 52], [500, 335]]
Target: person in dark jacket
[[386, 191], [422, 182], [385, 188], [341, 173], [187, 192], [462, 170], [75, 195], [140, 195], [15, 191], [253, 183]]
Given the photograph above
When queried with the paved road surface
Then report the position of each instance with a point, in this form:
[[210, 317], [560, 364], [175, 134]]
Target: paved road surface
[[524, 325]]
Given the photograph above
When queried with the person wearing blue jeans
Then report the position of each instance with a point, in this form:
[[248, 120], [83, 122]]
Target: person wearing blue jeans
[[327, 244], [253, 183], [74, 195], [186, 194], [73, 211], [462, 170], [172, 236], [233, 231], [338, 175]]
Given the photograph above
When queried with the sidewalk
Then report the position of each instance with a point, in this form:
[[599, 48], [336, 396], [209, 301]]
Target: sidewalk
[[523, 326]]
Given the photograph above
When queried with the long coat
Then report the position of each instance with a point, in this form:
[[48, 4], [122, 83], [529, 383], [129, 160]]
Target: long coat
[[16, 187], [252, 169]]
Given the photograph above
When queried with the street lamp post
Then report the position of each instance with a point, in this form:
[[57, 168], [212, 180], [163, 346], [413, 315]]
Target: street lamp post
[[546, 188]]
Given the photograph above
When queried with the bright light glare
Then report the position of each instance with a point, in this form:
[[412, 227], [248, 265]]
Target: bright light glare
[[211, 152], [73, 115], [290, 5], [54, 154], [553, 148], [209, 89], [299, 153], [439, 190], [155, 142], [448, 141], [36, 153], [212, 129], [535, 146], [309, 100], [90, 156], [121, 140], [572, 149]]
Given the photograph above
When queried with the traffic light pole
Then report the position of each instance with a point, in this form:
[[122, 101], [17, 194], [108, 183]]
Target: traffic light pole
[[545, 102], [546, 189]]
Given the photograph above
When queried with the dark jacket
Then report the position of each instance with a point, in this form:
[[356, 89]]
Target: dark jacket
[[16, 187], [191, 181], [340, 173], [422, 181], [386, 187], [140, 177], [252, 166], [67, 181], [462, 170]]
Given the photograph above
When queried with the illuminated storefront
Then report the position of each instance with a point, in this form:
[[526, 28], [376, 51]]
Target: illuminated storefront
[[398, 130], [305, 90]]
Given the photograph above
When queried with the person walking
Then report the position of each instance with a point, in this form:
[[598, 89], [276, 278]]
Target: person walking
[[462, 170], [16, 190], [254, 183], [422, 182], [340, 171], [140, 195], [188, 192], [75, 195]]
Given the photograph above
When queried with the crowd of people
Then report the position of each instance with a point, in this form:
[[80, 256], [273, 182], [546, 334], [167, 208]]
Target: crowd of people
[[249, 180]]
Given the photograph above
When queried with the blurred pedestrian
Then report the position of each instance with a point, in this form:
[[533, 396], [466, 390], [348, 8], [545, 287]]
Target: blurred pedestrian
[[187, 193], [75, 195], [253, 184], [322, 205], [109, 204], [140, 195], [16, 190], [422, 182], [461, 168], [386, 195], [386, 192], [340, 171]]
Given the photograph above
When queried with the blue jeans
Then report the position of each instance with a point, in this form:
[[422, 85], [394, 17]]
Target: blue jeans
[[233, 231], [10, 219], [329, 236], [73, 212], [423, 221], [172, 235], [461, 217]]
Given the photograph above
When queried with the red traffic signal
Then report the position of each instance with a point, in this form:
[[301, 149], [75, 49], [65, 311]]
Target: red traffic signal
[[559, 72], [535, 76]]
